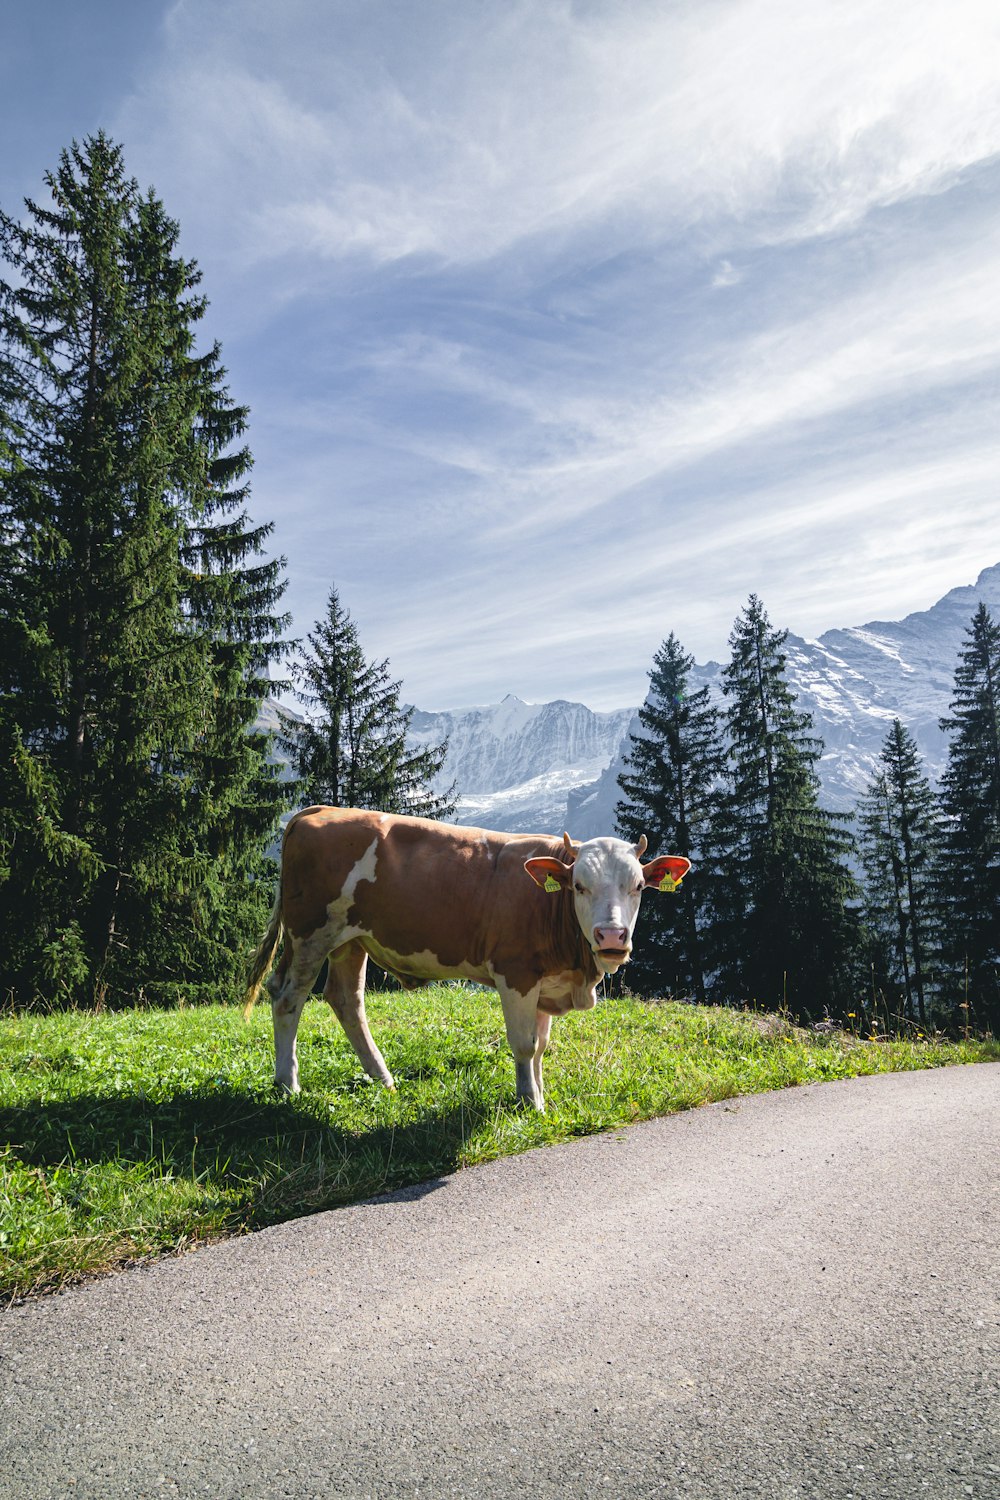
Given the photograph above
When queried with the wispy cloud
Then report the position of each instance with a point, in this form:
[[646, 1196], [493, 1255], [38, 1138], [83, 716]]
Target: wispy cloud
[[389, 131], [727, 275], [911, 330]]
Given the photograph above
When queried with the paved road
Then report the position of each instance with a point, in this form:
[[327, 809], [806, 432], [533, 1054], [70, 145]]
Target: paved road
[[794, 1295]]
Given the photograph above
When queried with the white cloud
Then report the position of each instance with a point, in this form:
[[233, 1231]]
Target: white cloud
[[727, 274], [447, 131]]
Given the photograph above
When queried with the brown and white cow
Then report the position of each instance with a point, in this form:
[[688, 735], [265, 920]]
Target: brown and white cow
[[538, 919]]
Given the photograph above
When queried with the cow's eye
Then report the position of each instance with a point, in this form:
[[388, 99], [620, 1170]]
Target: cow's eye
[[640, 888], [581, 889]]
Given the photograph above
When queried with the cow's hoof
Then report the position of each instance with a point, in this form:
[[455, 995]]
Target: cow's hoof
[[281, 1087]]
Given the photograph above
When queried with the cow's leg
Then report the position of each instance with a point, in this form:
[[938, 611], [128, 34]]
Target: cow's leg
[[345, 990], [289, 987], [543, 1026], [520, 1013]]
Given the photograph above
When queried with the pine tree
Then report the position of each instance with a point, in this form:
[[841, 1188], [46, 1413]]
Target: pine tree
[[352, 749], [899, 846], [787, 927], [139, 617], [671, 785], [971, 805]]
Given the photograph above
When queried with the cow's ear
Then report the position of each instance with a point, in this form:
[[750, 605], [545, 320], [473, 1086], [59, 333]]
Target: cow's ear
[[550, 874], [667, 872]]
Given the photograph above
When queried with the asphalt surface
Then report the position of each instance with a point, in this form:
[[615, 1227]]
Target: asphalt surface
[[792, 1295]]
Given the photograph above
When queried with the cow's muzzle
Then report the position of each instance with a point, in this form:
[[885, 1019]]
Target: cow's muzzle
[[612, 945], [612, 942]]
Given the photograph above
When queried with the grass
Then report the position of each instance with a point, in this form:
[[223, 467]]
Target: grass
[[128, 1135]]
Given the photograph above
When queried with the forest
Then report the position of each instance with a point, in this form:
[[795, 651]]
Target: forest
[[143, 627], [886, 918]]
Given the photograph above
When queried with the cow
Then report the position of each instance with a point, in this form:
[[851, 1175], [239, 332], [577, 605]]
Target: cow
[[538, 919]]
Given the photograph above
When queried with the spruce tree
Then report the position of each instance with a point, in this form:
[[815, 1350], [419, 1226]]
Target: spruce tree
[[352, 749], [139, 613], [672, 788], [971, 805], [899, 846], [787, 927]]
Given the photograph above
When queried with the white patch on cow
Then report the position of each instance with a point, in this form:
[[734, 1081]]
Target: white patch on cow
[[544, 1028], [565, 989], [425, 964], [557, 986], [335, 929], [363, 870], [527, 1035]]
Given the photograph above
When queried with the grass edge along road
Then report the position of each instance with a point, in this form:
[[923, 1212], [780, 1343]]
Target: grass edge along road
[[130, 1134]]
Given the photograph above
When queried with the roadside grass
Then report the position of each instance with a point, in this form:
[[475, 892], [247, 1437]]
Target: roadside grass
[[128, 1135]]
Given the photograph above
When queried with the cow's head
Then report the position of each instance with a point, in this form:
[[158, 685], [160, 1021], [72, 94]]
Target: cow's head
[[607, 882]]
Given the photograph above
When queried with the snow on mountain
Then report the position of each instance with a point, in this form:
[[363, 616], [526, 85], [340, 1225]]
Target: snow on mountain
[[515, 763], [853, 682]]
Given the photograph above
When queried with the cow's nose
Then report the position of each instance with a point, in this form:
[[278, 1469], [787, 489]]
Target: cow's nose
[[611, 937]]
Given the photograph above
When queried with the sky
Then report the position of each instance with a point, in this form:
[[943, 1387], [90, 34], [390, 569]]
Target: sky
[[567, 325]]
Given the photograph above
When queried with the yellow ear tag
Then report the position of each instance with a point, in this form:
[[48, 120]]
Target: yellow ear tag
[[668, 883], [552, 884]]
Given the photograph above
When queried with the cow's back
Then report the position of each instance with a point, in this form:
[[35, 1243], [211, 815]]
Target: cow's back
[[408, 886]]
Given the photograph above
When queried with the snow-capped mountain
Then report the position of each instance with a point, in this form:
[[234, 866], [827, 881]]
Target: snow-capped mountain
[[515, 764], [853, 682], [549, 766]]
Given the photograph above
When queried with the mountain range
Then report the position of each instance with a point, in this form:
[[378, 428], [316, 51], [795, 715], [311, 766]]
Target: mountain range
[[517, 764], [548, 766]]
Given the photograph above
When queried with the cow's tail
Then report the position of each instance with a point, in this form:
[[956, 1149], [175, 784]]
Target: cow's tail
[[264, 956]]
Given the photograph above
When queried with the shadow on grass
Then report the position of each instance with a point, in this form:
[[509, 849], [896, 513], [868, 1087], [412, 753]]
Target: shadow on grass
[[271, 1159]]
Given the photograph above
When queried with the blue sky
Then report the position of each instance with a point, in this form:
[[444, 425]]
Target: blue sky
[[564, 325]]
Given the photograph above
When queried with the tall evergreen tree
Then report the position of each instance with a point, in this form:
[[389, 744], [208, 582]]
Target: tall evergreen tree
[[352, 749], [138, 612], [899, 845], [788, 929], [672, 788], [971, 805]]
